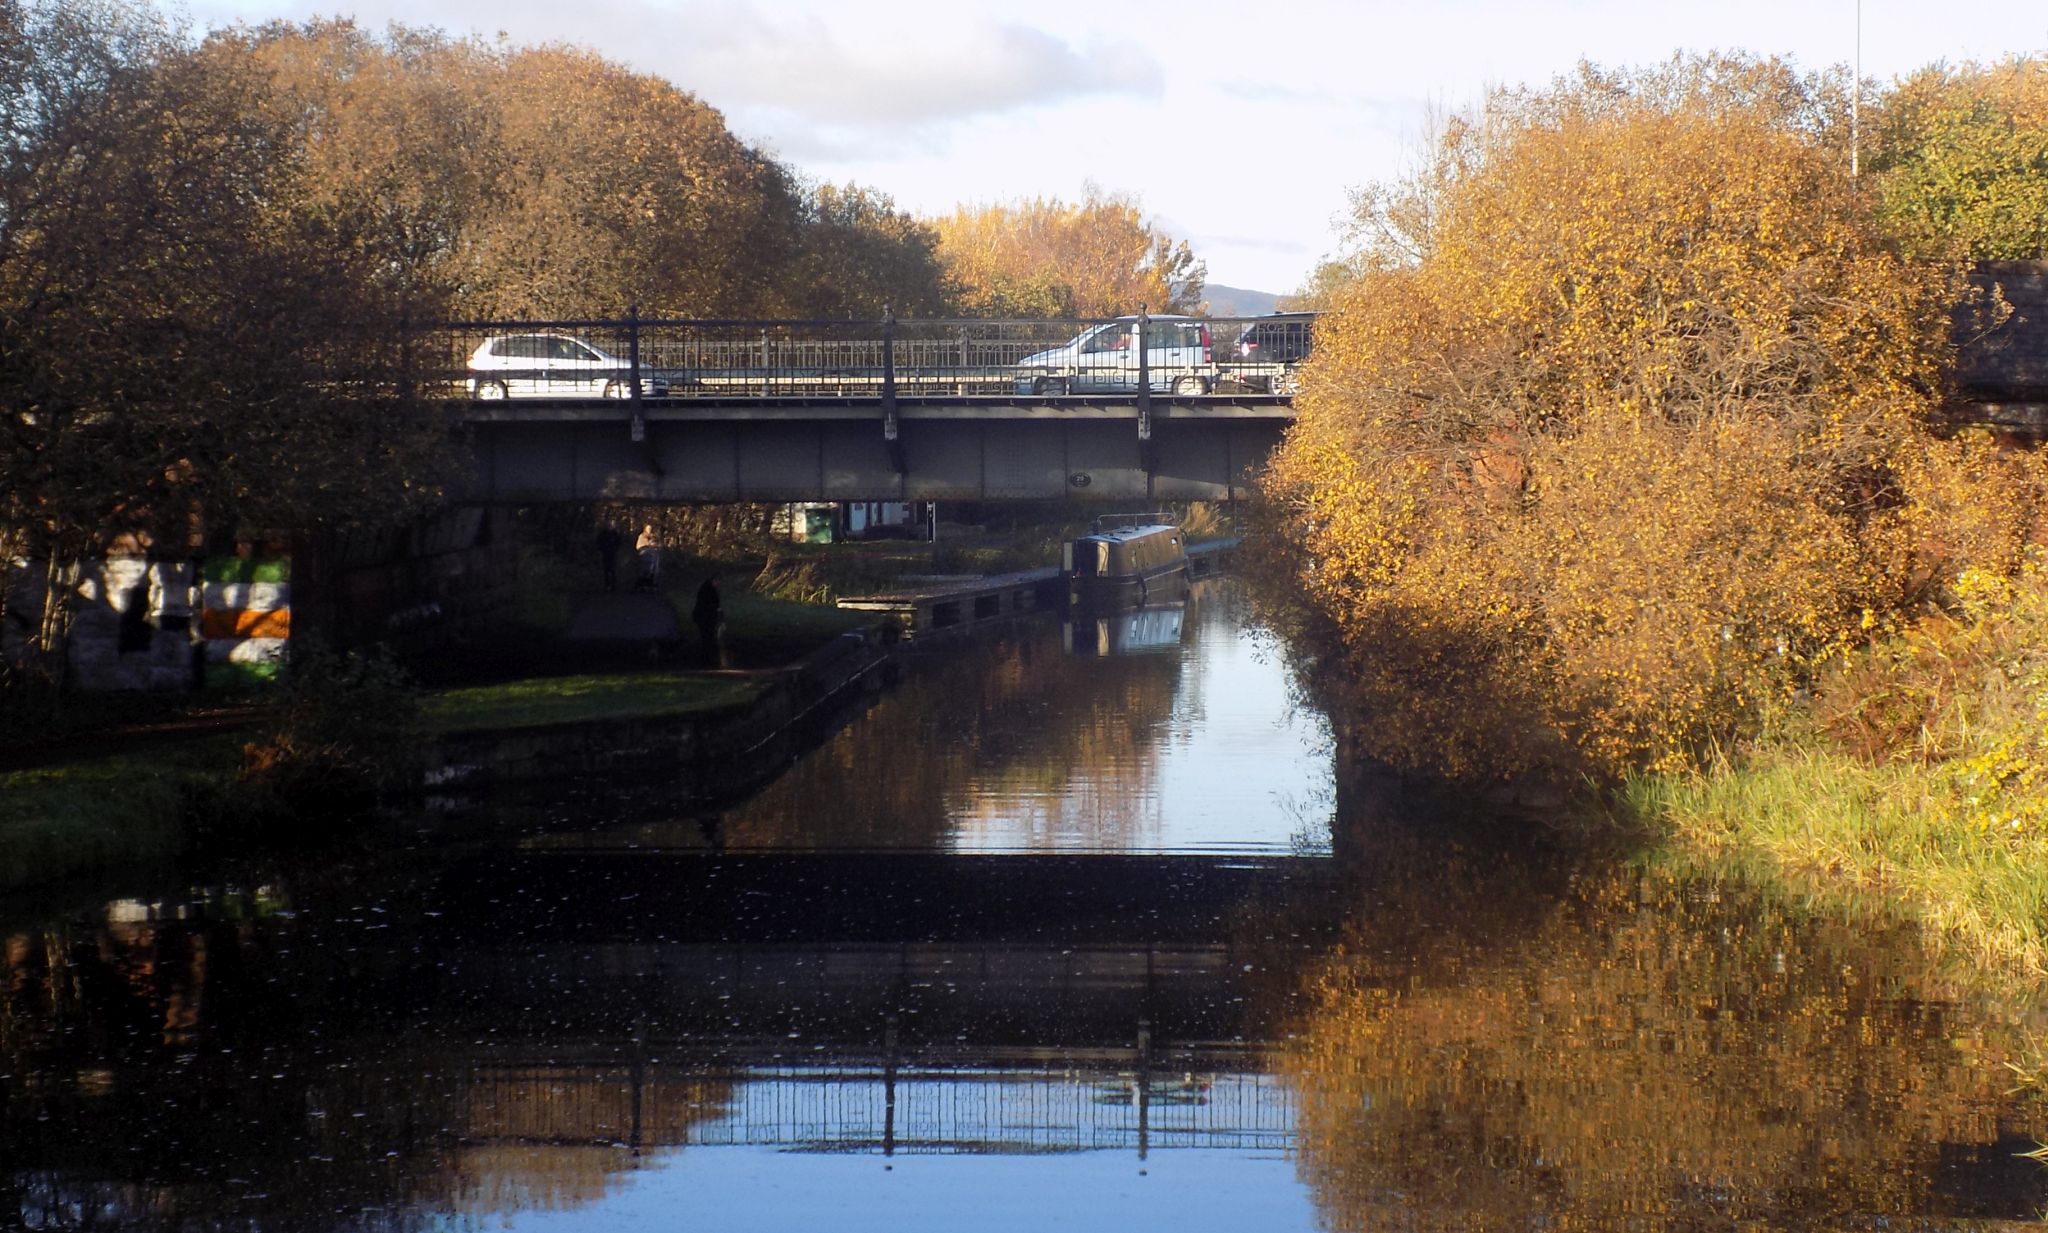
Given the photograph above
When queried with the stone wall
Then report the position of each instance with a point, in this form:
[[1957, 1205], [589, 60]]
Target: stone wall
[[418, 587], [144, 622]]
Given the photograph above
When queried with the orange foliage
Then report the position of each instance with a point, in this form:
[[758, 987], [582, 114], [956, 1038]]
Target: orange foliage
[[1637, 440], [1098, 257]]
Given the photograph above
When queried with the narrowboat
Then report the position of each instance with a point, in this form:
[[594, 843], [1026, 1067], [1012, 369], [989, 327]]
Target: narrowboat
[[1126, 560]]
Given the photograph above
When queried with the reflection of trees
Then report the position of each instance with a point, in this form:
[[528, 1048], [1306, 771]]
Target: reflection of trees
[[1008, 733], [221, 1073], [1639, 1054]]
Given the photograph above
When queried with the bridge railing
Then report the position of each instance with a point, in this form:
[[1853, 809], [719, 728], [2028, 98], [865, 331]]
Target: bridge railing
[[676, 359]]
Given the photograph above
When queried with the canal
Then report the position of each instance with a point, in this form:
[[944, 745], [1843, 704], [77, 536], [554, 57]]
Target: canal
[[1075, 927]]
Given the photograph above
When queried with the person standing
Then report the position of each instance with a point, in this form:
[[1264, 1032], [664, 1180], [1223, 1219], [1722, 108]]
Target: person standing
[[708, 614], [648, 549], [608, 542]]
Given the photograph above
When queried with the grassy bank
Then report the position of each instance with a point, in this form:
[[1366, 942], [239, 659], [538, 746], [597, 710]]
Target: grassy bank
[[1913, 782], [92, 815], [543, 701]]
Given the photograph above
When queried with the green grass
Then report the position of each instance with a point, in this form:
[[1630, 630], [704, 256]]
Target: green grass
[[756, 620], [542, 701], [1890, 840], [1913, 783], [87, 816]]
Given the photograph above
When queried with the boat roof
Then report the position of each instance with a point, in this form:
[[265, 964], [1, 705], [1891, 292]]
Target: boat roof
[[1141, 531]]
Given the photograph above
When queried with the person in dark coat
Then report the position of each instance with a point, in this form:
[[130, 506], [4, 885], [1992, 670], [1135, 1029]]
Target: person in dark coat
[[608, 542], [708, 615]]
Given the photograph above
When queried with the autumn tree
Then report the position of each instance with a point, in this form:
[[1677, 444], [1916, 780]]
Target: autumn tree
[[1960, 160], [402, 149], [856, 254], [501, 182], [180, 344], [1044, 257], [1631, 439]]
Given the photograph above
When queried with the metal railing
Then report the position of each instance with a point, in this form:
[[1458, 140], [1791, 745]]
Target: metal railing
[[634, 358]]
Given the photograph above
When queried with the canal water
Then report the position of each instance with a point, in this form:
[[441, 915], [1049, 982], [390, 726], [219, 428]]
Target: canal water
[[1054, 935]]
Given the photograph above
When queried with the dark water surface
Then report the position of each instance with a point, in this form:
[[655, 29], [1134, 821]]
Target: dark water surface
[[1048, 938]]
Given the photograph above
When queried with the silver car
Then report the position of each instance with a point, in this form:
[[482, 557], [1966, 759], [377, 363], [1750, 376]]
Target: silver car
[[552, 366], [1103, 358]]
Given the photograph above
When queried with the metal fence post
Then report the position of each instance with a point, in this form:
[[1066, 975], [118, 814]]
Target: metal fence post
[[1147, 457], [890, 430], [639, 431]]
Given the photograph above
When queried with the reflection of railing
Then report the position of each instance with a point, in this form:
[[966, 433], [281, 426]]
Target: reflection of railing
[[632, 357], [912, 1108]]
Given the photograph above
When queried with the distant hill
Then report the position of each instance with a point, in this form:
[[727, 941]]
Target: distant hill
[[1238, 302]]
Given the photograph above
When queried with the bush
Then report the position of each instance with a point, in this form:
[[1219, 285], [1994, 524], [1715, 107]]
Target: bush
[[347, 729], [1637, 440]]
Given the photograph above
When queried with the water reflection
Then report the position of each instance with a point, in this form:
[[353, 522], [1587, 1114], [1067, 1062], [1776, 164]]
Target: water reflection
[[1437, 1038], [1648, 1054], [1151, 630], [871, 1009], [1012, 744]]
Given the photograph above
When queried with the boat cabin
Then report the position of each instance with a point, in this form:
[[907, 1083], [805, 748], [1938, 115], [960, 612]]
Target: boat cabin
[[1127, 559]]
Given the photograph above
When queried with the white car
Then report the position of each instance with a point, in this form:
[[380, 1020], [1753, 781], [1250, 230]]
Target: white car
[[551, 366], [1103, 358]]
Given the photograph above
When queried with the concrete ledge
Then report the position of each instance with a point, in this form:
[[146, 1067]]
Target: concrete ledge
[[716, 753]]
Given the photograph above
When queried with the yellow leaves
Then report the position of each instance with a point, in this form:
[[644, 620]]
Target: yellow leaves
[[1632, 447], [1097, 257]]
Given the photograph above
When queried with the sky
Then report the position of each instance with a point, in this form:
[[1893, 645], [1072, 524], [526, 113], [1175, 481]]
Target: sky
[[1240, 125]]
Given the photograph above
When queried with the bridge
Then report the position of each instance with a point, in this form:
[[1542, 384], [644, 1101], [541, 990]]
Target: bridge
[[682, 411], [715, 411]]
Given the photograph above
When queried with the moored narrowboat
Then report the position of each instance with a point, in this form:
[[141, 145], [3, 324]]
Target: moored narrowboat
[[1126, 560]]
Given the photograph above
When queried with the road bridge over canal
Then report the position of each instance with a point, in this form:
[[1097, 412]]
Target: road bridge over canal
[[678, 411], [1132, 408]]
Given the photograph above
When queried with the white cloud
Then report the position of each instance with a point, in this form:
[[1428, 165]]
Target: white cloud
[[1275, 111], [863, 75]]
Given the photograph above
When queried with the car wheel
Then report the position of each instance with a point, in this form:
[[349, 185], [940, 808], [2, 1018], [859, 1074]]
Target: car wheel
[[615, 389], [490, 391], [1049, 385], [1190, 385]]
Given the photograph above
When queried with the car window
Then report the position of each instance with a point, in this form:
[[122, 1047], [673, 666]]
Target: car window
[[570, 349], [1161, 334], [520, 347], [1111, 338]]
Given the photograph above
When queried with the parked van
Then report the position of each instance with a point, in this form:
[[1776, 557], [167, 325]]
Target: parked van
[[1283, 338], [1104, 359]]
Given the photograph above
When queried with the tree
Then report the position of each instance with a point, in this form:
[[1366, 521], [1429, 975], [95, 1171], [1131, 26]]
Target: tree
[[184, 346], [857, 254], [527, 182], [403, 151], [1961, 160], [1634, 439], [1043, 257]]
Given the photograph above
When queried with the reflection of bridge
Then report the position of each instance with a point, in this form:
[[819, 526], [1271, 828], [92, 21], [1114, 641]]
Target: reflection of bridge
[[892, 1003], [789, 410], [912, 1107], [871, 955]]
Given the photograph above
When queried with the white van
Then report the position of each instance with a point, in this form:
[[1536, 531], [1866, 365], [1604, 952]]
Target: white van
[[1104, 359]]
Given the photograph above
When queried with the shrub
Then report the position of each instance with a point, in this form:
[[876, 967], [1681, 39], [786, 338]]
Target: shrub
[[347, 729], [1635, 442]]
